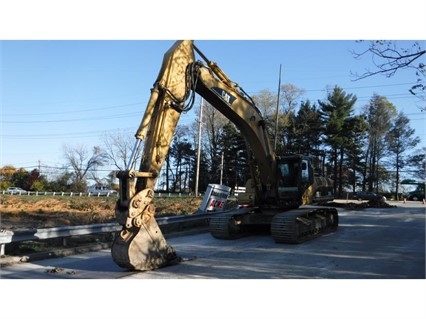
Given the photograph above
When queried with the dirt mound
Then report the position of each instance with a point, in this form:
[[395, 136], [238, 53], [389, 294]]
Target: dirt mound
[[24, 212], [35, 212], [361, 205]]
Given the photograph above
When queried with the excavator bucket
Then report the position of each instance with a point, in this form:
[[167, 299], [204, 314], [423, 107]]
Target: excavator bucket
[[144, 249], [140, 245]]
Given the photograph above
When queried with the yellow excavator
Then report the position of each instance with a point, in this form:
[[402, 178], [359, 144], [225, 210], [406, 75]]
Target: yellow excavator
[[278, 185]]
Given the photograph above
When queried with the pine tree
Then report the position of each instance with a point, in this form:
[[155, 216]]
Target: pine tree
[[335, 113]]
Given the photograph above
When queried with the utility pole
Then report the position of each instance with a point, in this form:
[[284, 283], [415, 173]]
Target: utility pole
[[278, 103], [197, 175], [221, 170]]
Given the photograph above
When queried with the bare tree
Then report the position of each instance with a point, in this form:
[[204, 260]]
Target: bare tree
[[82, 161], [118, 146], [388, 58], [183, 156], [289, 97], [400, 140], [289, 100], [379, 113], [214, 122], [266, 101]]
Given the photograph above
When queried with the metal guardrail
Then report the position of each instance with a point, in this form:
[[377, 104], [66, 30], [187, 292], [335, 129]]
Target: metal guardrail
[[88, 194], [7, 236], [61, 194]]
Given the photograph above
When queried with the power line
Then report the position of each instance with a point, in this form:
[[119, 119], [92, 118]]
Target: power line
[[142, 103], [64, 135], [114, 116], [363, 87], [74, 111]]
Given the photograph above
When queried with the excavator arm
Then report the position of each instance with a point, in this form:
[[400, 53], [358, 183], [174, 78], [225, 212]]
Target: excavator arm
[[141, 244]]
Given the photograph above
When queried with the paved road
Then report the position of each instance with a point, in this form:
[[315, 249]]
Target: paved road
[[369, 244]]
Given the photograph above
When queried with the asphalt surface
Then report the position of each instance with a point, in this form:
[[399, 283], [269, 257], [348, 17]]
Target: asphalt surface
[[386, 243], [383, 249]]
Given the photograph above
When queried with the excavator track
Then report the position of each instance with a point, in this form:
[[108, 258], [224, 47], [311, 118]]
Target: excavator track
[[224, 226], [300, 225]]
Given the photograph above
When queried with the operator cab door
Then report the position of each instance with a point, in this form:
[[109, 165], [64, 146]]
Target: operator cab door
[[295, 174]]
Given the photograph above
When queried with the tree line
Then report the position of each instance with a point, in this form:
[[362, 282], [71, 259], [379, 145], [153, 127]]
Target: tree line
[[371, 151]]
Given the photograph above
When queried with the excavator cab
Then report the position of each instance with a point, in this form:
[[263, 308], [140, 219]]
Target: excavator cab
[[295, 176]]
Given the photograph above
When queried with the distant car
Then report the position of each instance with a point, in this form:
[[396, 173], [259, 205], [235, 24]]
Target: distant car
[[416, 195], [101, 190], [16, 190], [369, 196]]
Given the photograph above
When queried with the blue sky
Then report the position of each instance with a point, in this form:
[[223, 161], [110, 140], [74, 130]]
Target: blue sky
[[73, 92]]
